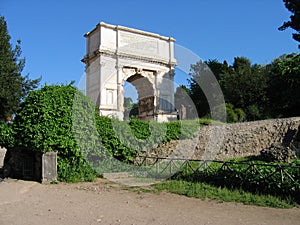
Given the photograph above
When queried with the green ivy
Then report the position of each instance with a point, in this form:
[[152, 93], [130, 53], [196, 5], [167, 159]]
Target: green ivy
[[6, 135], [59, 118], [125, 139]]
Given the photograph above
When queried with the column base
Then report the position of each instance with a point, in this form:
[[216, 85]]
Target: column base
[[112, 114], [165, 117]]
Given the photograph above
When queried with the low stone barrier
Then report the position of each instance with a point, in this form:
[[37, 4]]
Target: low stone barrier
[[25, 164], [240, 139]]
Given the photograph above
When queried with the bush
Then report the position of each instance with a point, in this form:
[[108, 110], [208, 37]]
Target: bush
[[234, 114], [6, 135], [59, 118], [125, 139]]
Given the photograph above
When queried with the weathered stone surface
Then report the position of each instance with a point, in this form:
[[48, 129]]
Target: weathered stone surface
[[49, 167], [278, 153], [239, 140]]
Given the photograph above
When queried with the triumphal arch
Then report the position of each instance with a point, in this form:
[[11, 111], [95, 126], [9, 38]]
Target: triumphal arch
[[115, 54]]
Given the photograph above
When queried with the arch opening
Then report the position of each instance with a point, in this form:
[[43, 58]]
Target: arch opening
[[144, 107], [130, 102]]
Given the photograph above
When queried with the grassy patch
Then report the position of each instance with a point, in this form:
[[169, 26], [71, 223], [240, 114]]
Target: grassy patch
[[207, 121], [205, 191]]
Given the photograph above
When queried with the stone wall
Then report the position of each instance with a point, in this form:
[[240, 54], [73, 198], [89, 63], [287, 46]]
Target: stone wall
[[239, 140], [244, 139], [21, 163]]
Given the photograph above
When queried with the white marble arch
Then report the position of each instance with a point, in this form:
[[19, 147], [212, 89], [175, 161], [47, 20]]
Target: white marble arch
[[115, 54]]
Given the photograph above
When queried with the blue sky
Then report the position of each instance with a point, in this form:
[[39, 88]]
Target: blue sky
[[52, 31]]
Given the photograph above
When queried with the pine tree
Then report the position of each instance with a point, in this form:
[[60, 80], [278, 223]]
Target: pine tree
[[294, 7], [13, 86]]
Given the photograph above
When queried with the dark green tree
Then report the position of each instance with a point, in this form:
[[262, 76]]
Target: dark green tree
[[195, 90], [13, 86], [202, 86], [245, 86], [251, 92], [294, 7], [284, 86], [233, 115], [217, 67]]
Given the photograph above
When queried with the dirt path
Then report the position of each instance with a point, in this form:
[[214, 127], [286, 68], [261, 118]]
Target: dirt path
[[103, 202]]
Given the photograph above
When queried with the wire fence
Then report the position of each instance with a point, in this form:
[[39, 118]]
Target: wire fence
[[163, 166], [281, 179]]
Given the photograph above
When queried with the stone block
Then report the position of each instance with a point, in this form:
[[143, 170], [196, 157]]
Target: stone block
[[49, 167]]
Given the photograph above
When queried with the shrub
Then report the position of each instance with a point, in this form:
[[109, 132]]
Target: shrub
[[6, 135], [125, 139], [234, 114], [59, 118]]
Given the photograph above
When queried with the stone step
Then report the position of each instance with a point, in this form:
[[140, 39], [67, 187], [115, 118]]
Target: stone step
[[116, 175]]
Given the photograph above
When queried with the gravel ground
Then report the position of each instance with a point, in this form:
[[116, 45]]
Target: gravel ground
[[104, 202]]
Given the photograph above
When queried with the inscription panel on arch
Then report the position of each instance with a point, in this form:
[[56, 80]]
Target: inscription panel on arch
[[138, 44]]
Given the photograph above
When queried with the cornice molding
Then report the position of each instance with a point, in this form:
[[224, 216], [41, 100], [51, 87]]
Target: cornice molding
[[115, 55]]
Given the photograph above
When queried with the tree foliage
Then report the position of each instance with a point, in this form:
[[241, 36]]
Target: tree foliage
[[284, 86], [244, 86], [60, 118], [252, 91], [13, 86], [294, 7], [199, 82], [6, 135]]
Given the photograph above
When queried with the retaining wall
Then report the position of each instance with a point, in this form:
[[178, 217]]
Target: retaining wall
[[239, 140]]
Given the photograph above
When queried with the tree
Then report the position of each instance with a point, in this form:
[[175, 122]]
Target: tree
[[283, 86], [294, 7], [252, 92], [13, 86], [245, 86], [202, 85], [233, 115], [217, 67], [196, 93]]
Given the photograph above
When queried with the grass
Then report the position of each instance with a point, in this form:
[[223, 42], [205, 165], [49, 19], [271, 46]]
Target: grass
[[205, 191], [207, 121]]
